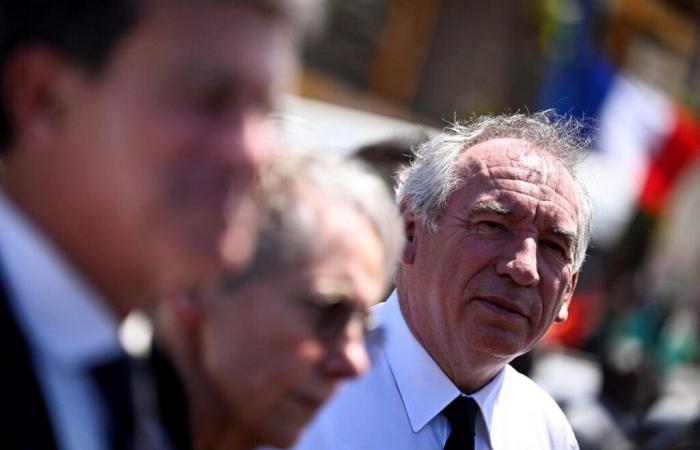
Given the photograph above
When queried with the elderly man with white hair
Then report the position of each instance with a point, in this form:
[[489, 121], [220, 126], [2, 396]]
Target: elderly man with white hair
[[497, 227]]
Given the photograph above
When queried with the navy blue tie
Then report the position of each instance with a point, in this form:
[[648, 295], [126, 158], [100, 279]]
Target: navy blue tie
[[113, 382], [461, 414]]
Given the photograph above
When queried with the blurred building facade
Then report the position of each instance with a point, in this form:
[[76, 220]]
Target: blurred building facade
[[427, 60]]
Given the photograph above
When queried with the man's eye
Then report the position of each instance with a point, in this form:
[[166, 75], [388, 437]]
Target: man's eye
[[489, 226], [555, 247], [213, 102]]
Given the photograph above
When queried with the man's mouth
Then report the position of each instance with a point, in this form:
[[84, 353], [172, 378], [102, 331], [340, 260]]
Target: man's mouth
[[503, 307]]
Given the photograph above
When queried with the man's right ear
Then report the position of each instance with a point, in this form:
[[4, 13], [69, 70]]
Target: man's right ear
[[33, 91], [409, 222]]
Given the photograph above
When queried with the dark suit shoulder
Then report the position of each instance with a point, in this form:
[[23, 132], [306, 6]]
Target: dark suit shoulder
[[24, 419]]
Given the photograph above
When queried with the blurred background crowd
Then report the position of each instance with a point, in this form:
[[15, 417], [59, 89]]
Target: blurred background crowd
[[625, 365]]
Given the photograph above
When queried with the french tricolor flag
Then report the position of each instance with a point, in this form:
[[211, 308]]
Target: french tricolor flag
[[643, 139], [643, 143]]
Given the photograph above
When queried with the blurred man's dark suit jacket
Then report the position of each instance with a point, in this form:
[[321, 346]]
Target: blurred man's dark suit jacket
[[24, 418]]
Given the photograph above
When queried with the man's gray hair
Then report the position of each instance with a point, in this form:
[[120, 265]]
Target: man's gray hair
[[294, 191], [428, 183]]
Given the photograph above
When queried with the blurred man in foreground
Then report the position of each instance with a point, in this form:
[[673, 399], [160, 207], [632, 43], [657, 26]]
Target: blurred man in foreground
[[497, 229], [261, 350], [127, 130]]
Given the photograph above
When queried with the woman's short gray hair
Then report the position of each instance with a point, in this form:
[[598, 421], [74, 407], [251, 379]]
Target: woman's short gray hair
[[290, 220], [428, 183]]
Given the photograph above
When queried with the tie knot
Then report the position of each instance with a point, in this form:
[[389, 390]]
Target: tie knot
[[462, 412]]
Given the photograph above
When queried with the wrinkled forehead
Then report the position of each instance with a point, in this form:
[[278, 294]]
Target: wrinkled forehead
[[512, 153], [516, 164]]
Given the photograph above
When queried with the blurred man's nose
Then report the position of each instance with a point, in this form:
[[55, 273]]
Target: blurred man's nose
[[519, 262], [247, 142]]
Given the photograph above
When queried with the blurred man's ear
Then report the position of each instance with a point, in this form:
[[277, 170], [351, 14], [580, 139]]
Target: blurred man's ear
[[186, 307], [409, 221], [563, 313], [33, 90]]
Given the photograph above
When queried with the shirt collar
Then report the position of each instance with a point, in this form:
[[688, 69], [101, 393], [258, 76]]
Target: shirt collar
[[65, 317], [487, 398], [425, 389]]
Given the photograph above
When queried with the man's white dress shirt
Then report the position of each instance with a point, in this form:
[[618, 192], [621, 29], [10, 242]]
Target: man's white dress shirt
[[65, 323], [398, 404]]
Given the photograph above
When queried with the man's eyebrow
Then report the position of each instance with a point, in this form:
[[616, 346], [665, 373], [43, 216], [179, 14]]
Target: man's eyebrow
[[488, 207], [566, 235]]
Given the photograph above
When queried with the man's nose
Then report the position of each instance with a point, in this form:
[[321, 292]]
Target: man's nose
[[520, 263], [347, 357], [246, 143]]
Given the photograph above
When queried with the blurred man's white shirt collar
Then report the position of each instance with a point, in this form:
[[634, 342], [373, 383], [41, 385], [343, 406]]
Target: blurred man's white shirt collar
[[64, 321]]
